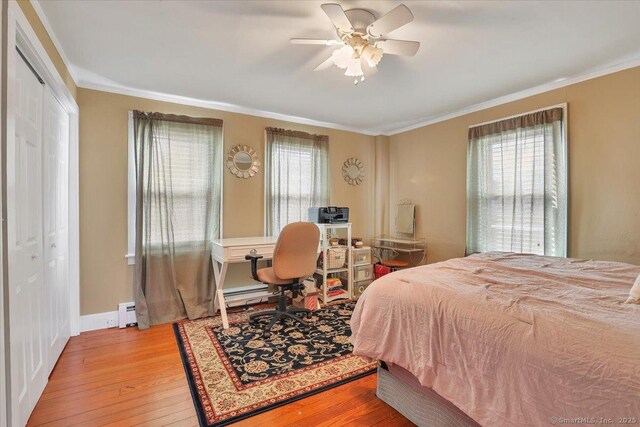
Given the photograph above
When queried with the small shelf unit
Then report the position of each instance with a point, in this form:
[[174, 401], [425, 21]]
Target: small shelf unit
[[362, 269], [323, 272]]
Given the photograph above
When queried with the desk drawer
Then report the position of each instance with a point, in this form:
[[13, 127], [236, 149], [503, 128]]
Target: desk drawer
[[239, 252]]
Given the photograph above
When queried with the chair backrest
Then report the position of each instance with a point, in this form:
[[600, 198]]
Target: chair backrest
[[296, 252]]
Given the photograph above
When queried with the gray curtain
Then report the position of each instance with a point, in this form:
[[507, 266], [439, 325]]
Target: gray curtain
[[517, 185], [296, 176], [178, 183]]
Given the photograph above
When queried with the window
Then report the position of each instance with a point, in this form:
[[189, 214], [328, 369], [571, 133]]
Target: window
[[517, 184], [190, 161], [296, 176]]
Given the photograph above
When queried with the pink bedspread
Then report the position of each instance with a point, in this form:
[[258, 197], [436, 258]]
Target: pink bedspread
[[511, 339]]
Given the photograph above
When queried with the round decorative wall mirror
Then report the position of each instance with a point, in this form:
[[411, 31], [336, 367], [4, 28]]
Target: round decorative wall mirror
[[353, 171], [242, 161]]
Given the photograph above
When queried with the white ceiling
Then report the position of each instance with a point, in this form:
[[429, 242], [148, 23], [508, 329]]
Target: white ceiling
[[238, 52]]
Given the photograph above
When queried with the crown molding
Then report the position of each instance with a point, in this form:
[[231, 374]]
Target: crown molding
[[630, 62], [52, 35], [221, 106]]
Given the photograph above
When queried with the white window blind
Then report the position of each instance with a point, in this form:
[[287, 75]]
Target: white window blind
[[517, 190], [191, 167], [192, 175], [296, 177]]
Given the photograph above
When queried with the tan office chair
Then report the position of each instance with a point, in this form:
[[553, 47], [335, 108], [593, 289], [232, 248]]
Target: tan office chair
[[294, 259]]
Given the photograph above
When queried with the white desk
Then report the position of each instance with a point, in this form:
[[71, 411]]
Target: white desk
[[233, 250]]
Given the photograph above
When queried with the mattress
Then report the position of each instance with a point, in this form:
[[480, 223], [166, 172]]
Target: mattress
[[511, 339]]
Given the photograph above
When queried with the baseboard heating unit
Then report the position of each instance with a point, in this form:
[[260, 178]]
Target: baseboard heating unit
[[127, 314], [251, 294]]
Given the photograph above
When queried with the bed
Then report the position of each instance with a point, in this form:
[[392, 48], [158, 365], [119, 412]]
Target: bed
[[505, 339]]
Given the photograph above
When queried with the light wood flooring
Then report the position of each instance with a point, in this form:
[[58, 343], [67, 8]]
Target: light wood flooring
[[128, 377]]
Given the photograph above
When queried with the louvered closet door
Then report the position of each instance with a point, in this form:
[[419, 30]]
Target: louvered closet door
[[56, 221], [29, 366]]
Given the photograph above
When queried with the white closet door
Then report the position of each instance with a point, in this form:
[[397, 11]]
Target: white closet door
[[56, 225], [24, 235]]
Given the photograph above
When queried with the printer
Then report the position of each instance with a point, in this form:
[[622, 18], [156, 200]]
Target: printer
[[329, 215]]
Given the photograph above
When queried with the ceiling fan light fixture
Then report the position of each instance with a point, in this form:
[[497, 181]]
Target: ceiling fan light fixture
[[372, 55], [343, 57], [354, 69]]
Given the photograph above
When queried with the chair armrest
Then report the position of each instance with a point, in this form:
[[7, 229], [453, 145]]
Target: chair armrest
[[254, 265]]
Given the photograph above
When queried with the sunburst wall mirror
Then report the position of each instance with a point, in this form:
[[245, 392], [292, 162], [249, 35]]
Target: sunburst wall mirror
[[353, 171], [242, 161]]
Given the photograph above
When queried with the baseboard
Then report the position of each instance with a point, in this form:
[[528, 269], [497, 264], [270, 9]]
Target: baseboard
[[92, 322]]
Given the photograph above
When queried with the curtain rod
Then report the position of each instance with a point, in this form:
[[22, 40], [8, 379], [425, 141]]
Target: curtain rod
[[563, 106]]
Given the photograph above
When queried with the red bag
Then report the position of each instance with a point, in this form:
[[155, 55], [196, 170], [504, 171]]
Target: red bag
[[380, 270]]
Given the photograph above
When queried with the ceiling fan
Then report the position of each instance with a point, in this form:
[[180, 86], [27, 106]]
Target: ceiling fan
[[362, 39]]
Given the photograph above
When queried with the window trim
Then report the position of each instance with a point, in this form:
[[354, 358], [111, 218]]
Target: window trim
[[565, 135], [130, 256]]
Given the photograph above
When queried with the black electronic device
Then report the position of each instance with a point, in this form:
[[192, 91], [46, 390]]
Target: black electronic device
[[329, 215]]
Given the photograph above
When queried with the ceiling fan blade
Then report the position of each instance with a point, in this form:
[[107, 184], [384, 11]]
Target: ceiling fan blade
[[398, 47], [337, 16], [316, 41], [393, 20], [326, 64]]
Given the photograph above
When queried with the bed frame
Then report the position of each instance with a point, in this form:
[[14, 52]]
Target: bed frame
[[420, 405]]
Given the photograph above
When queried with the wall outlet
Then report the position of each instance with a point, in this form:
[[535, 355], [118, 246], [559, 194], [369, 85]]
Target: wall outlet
[[112, 323]]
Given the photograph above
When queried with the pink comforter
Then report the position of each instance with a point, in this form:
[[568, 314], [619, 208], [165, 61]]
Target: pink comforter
[[511, 339]]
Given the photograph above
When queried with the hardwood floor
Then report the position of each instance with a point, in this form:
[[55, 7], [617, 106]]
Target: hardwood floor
[[127, 377]]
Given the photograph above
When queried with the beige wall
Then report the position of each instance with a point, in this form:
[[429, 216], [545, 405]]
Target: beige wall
[[105, 277], [49, 47], [429, 166]]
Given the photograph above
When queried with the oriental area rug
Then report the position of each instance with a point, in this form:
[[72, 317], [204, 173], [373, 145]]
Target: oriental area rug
[[236, 373]]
